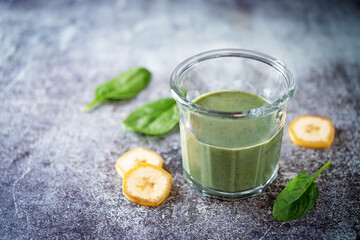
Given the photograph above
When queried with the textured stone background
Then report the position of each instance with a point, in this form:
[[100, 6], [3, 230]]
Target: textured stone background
[[57, 177]]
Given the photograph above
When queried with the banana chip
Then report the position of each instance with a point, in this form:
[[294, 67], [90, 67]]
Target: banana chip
[[135, 156], [146, 184], [312, 131]]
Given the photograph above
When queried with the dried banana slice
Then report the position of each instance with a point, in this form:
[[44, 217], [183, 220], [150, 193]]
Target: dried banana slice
[[147, 185], [135, 156], [312, 131]]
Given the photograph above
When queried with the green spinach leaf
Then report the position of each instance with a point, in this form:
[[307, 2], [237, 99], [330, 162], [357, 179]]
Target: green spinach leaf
[[154, 118], [124, 86], [298, 197]]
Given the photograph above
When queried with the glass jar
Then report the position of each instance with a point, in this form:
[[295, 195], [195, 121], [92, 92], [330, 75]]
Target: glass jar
[[231, 155]]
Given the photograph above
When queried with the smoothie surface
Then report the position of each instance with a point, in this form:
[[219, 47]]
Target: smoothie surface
[[230, 101]]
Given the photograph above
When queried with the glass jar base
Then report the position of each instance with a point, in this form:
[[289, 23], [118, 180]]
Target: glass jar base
[[229, 196]]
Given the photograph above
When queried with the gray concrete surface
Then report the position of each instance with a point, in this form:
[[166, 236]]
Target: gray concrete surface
[[57, 176]]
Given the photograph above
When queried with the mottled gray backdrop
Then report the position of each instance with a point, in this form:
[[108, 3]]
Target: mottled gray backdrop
[[57, 176]]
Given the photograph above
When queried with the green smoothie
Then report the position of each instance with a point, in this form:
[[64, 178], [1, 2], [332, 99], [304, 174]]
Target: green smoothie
[[230, 155]]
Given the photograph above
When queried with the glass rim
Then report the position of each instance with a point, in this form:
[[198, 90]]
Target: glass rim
[[191, 62]]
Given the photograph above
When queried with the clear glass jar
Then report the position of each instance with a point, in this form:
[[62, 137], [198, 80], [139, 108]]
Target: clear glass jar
[[231, 155]]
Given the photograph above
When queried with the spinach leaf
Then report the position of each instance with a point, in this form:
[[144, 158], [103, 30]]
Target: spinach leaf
[[124, 86], [154, 118], [298, 197]]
